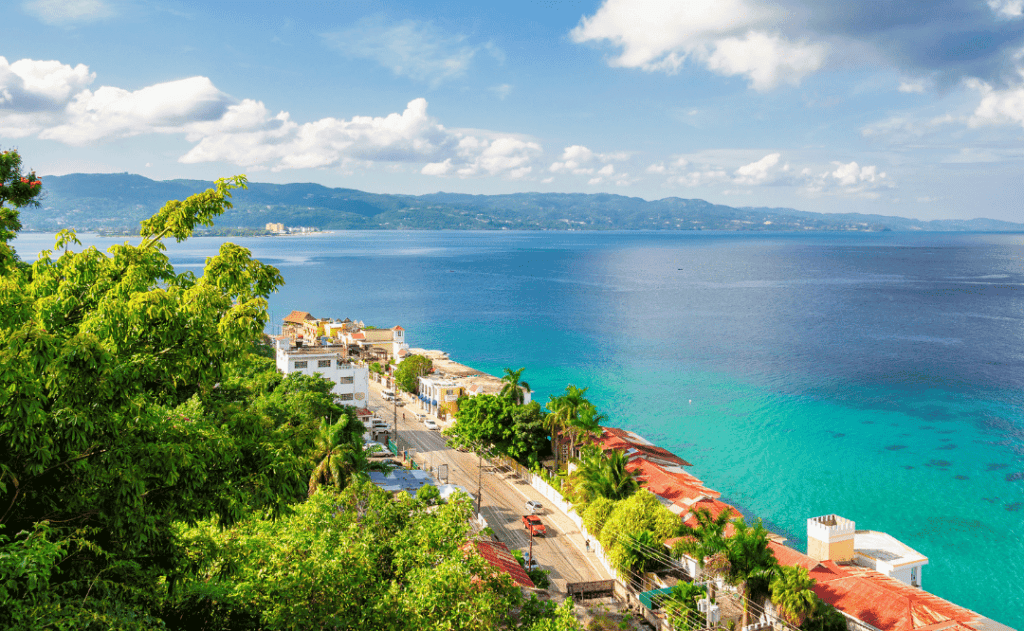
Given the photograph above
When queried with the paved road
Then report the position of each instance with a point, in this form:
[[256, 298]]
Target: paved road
[[504, 495]]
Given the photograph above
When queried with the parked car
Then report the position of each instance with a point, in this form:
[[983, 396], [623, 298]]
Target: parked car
[[534, 525], [422, 418], [431, 424], [387, 395], [376, 450], [533, 506]]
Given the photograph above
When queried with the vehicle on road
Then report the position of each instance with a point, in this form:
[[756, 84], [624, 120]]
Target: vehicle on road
[[533, 507], [534, 525], [422, 418], [431, 424]]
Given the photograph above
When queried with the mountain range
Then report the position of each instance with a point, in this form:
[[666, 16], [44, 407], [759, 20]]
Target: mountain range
[[117, 202]]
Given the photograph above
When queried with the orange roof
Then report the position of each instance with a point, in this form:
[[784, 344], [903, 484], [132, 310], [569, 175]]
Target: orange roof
[[496, 553], [676, 487], [359, 336], [364, 412], [298, 317], [872, 597], [615, 438], [397, 328]]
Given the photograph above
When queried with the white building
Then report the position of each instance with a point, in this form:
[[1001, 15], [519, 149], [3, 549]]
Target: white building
[[351, 382], [834, 538]]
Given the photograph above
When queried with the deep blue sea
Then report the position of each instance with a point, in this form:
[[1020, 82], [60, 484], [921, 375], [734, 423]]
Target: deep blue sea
[[877, 376]]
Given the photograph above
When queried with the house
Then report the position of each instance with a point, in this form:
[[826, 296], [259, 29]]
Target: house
[[351, 382], [869, 577], [440, 396], [498, 556]]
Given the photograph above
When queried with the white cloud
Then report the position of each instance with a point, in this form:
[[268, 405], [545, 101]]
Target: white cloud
[[997, 107], [580, 160], [849, 179], [51, 100], [28, 85], [756, 172], [1007, 8], [911, 87], [766, 60], [68, 12], [731, 37], [418, 50], [115, 113]]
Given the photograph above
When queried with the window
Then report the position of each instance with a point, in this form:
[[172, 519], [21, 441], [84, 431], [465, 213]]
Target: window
[[346, 379], [300, 364], [345, 397], [323, 363]]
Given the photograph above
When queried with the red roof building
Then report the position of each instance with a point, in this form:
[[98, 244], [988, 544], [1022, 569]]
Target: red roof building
[[496, 553], [298, 317], [884, 603]]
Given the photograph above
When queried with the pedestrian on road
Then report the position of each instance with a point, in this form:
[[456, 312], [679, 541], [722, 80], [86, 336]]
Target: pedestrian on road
[[588, 545]]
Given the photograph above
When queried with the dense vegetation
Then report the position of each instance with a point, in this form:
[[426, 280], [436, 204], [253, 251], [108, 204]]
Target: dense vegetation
[[155, 468], [119, 201]]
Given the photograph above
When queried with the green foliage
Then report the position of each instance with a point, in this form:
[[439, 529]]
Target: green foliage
[[16, 191], [410, 370], [602, 474], [482, 422], [792, 594], [512, 387], [540, 577], [639, 513], [429, 495], [681, 607], [573, 417], [825, 618], [375, 367], [596, 514], [528, 443]]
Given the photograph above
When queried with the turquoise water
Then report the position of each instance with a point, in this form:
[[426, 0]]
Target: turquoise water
[[878, 376]]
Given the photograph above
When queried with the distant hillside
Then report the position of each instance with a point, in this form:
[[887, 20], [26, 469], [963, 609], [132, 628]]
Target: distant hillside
[[119, 201]]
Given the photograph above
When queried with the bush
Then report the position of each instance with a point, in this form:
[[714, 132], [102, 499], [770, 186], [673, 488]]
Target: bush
[[630, 517], [596, 514]]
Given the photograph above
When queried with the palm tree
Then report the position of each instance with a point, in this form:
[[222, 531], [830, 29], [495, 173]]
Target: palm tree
[[342, 458], [706, 543], [641, 552], [586, 425], [750, 558], [792, 594], [607, 477], [513, 388], [564, 410]]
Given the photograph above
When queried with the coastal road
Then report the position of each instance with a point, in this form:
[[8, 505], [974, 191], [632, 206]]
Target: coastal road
[[562, 551]]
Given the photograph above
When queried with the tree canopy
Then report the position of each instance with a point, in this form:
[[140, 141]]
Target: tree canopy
[[154, 466], [409, 371]]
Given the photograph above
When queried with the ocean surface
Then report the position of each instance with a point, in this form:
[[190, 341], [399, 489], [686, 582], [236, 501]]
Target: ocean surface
[[876, 376]]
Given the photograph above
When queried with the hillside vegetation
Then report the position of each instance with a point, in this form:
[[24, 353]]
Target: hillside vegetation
[[117, 202]]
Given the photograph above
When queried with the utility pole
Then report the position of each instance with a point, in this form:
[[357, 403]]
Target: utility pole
[[529, 559], [479, 481]]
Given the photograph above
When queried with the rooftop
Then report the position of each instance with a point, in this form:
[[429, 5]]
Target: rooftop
[[886, 548], [497, 554], [401, 480]]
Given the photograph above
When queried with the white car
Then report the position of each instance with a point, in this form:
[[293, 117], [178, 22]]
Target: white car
[[431, 424], [422, 418], [533, 506]]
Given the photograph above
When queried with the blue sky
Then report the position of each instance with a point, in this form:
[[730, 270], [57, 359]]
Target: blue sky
[[911, 108]]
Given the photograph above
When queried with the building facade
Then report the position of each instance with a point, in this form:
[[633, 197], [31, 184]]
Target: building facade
[[351, 381]]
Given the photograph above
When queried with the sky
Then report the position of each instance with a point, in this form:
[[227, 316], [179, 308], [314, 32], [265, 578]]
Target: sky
[[912, 108]]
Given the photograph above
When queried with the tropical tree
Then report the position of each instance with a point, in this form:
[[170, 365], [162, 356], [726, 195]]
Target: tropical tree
[[116, 424], [605, 476], [681, 606], [792, 594], [341, 458], [750, 560], [706, 543], [641, 552], [17, 190], [408, 373], [586, 425], [513, 388], [564, 410]]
